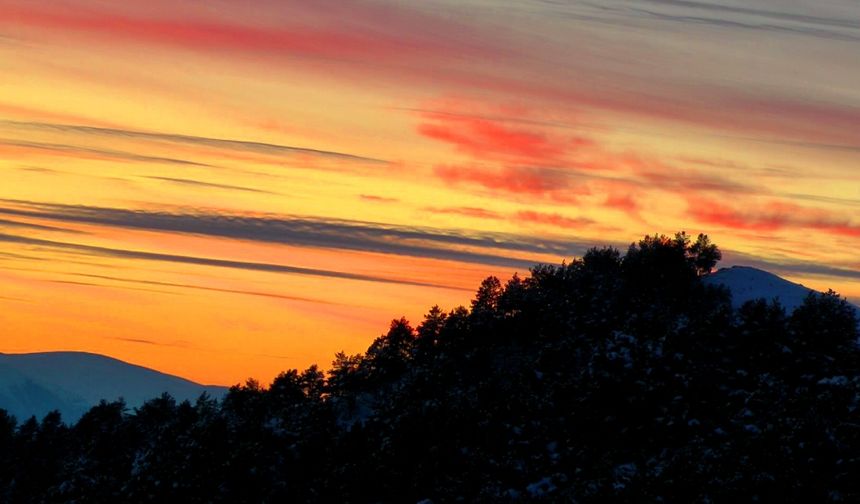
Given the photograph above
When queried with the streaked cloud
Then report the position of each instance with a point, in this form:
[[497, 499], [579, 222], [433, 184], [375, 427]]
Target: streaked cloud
[[301, 30], [39, 227], [486, 139], [554, 184], [479, 213], [218, 143], [100, 286], [209, 185], [9, 298], [152, 342], [553, 219], [377, 198], [727, 15], [313, 232], [205, 261], [98, 153], [270, 295], [773, 215]]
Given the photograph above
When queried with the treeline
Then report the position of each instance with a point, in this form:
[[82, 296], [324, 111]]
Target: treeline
[[613, 378]]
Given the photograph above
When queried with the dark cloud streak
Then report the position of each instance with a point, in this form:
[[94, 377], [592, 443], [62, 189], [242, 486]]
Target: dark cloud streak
[[113, 154], [309, 232], [210, 185], [768, 14], [229, 144], [40, 227], [90, 284], [150, 342], [763, 26], [205, 261]]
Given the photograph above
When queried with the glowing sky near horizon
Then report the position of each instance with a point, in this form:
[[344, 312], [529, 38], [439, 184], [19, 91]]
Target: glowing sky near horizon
[[228, 189]]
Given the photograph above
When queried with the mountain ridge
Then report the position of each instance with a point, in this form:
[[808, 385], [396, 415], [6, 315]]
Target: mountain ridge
[[33, 384]]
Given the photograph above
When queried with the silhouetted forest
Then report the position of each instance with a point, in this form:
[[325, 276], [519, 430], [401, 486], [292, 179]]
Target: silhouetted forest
[[612, 378]]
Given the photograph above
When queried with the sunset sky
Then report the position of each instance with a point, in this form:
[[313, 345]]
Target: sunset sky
[[224, 189]]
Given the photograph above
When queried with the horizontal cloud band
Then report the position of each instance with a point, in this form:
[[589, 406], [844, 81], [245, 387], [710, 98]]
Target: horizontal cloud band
[[312, 232], [205, 261]]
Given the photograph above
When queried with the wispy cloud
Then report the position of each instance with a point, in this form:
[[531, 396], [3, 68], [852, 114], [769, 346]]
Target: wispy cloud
[[378, 199], [99, 153], [219, 143], [39, 227], [479, 213], [553, 219], [486, 139], [206, 261], [209, 185], [529, 162], [330, 30], [103, 286], [749, 18], [10, 298], [824, 199], [38, 169], [142, 341], [522, 217], [555, 184], [205, 288], [772, 216], [523, 157], [26, 257]]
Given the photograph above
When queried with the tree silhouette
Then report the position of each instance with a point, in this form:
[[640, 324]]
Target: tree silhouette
[[389, 355], [824, 322], [704, 254]]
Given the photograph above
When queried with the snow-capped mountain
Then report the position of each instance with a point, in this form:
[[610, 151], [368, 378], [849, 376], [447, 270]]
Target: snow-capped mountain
[[73, 382], [746, 283]]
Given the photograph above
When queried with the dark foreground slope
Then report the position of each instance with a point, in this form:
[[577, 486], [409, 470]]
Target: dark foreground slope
[[610, 379], [73, 382]]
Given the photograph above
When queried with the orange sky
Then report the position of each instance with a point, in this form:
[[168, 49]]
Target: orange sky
[[223, 190]]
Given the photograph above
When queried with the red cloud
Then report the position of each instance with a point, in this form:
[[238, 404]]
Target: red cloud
[[485, 139], [523, 181], [203, 35], [623, 202], [772, 216], [383, 32], [479, 213], [712, 212], [378, 199], [552, 219], [293, 29], [523, 216], [500, 138]]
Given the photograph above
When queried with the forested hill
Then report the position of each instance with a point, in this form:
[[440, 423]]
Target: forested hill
[[612, 378]]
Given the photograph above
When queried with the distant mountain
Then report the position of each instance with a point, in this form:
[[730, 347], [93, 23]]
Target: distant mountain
[[746, 284], [73, 382]]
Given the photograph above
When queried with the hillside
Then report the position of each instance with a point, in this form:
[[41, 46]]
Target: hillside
[[74, 382], [612, 378]]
